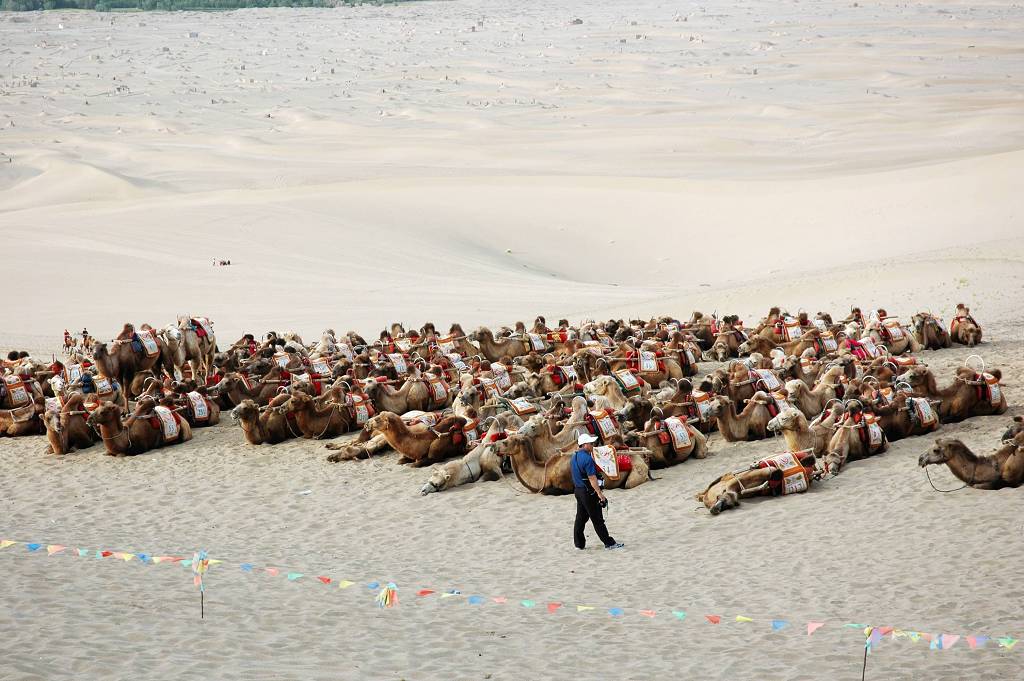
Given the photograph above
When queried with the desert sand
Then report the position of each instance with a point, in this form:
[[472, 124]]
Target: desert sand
[[484, 162]]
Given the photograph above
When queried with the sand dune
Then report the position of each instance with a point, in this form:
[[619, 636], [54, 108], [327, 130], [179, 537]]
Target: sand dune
[[484, 162]]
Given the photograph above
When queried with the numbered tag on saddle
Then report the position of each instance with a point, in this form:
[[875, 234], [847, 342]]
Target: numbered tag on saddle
[[792, 329], [281, 358], [490, 387], [456, 360], [893, 328], [149, 343], [605, 424], [923, 409], [606, 460], [73, 373], [447, 344], [168, 423], [18, 391], [103, 386], [875, 434], [537, 342], [398, 361], [869, 347], [403, 344], [703, 402], [200, 409], [568, 372], [794, 476], [995, 394], [648, 362], [438, 389], [360, 407], [320, 366], [427, 418], [501, 376], [522, 406], [346, 351], [679, 432], [768, 379], [829, 341], [627, 381]]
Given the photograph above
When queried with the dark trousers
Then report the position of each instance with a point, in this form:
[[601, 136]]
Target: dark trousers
[[588, 508]]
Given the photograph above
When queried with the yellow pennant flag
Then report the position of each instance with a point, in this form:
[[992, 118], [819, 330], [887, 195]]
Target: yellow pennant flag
[[4, 543], [741, 618], [127, 556], [156, 559], [214, 561], [54, 548], [344, 584], [581, 608]]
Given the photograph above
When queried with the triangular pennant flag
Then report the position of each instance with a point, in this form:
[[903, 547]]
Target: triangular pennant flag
[[127, 556], [741, 618], [648, 613], [1007, 642], [373, 585], [874, 637], [527, 603], [971, 641], [142, 557], [680, 615], [272, 571], [582, 608], [553, 606], [981, 641], [157, 559], [33, 547], [615, 612], [325, 580], [949, 640], [82, 553], [499, 599], [779, 624], [4, 543], [174, 559], [714, 619], [54, 548], [926, 637], [292, 576], [936, 643], [885, 630], [424, 592], [475, 600], [106, 554], [914, 636], [214, 561], [245, 567], [813, 627], [344, 584]]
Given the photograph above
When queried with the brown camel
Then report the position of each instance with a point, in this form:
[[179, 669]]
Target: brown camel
[[929, 332], [494, 349], [779, 475], [481, 463], [266, 425], [414, 395], [812, 401], [120, 361], [672, 440], [199, 409], [1002, 468], [750, 424], [895, 339], [554, 476], [810, 339], [905, 416], [236, 387], [970, 394], [141, 432], [963, 329], [24, 420], [857, 437], [66, 430], [421, 447], [315, 421]]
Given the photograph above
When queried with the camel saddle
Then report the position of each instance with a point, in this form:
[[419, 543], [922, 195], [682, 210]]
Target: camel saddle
[[646, 362], [989, 389], [777, 403], [167, 421], [399, 362], [891, 329], [73, 372], [438, 388], [490, 388], [789, 329], [200, 406], [404, 345], [15, 387], [594, 347], [202, 326], [456, 360], [447, 344], [104, 386], [765, 378], [429, 418], [702, 403], [559, 336], [360, 406], [628, 381], [282, 359], [606, 460], [471, 430], [921, 411], [789, 473], [679, 432], [501, 376], [536, 342], [147, 339], [602, 424], [321, 366], [522, 406]]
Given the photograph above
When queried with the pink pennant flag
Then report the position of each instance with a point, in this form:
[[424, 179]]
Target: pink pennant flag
[[813, 627], [552, 607], [714, 619], [972, 642], [272, 571], [884, 630], [54, 548], [499, 599], [949, 640], [648, 613]]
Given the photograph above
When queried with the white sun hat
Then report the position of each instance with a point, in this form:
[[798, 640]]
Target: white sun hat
[[585, 439]]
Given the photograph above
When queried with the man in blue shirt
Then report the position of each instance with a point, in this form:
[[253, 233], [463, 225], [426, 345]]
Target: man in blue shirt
[[589, 496]]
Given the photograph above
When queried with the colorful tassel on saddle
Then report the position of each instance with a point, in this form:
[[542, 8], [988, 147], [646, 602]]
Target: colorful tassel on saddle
[[388, 596]]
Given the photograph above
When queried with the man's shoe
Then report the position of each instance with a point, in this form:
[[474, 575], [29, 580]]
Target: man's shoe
[[615, 546]]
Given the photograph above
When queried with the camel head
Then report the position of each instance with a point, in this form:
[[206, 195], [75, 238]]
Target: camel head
[[788, 419], [245, 411], [916, 376], [52, 421], [439, 477], [599, 386], [1016, 427], [298, 402], [720, 351], [104, 414], [941, 452]]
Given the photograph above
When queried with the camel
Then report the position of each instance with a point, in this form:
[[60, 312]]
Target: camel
[[546, 442], [750, 424], [199, 410], [185, 344], [554, 475], [813, 401], [780, 475], [700, 327], [970, 394], [963, 329], [906, 343], [811, 339], [905, 416], [121, 361], [494, 350], [668, 445], [66, 429], [929, 332], [795, 430], [608, 392], [823, 427], [22, 420], [421, 447], [793, 367], [728, 341], [1016, 427], [847, 445], [414, 395], [317, 422], [481, 463], [139, 433], [235, 387], [1002, 468], [265, 425]]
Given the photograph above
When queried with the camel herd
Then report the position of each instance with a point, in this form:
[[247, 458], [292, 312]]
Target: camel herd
[[477, 406]]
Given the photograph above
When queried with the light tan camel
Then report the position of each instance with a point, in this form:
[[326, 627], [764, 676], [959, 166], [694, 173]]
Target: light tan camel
[[1002, 468]]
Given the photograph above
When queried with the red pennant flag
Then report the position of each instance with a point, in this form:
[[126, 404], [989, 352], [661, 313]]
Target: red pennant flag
[[499, 599], [106, 554], [648, 613], [972, 642], [553, 606], [424, 592], [884, 630], [325, 580], [714, 619], [272, 571]]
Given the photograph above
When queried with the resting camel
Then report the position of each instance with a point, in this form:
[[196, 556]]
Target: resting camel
[[479, 464], [811, 339], [855, 439], [700, 327], [192, 402], [494, 349], [895, 347], [928, 331], [795, 430], [139, 433], [761, 479], [66, 430], [414, 395], [265, 425], [1002, 468], [658, 438], [906, 416], [968, 395], [22, 420], [421, 447], [750, 424], [813, 401], [963, 329], [554, 476], [317, 422], [1016, 427], [235, 387], [728, 341], [121, 361]]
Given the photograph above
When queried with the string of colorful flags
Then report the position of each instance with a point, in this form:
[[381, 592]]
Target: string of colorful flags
[[387, 597]]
